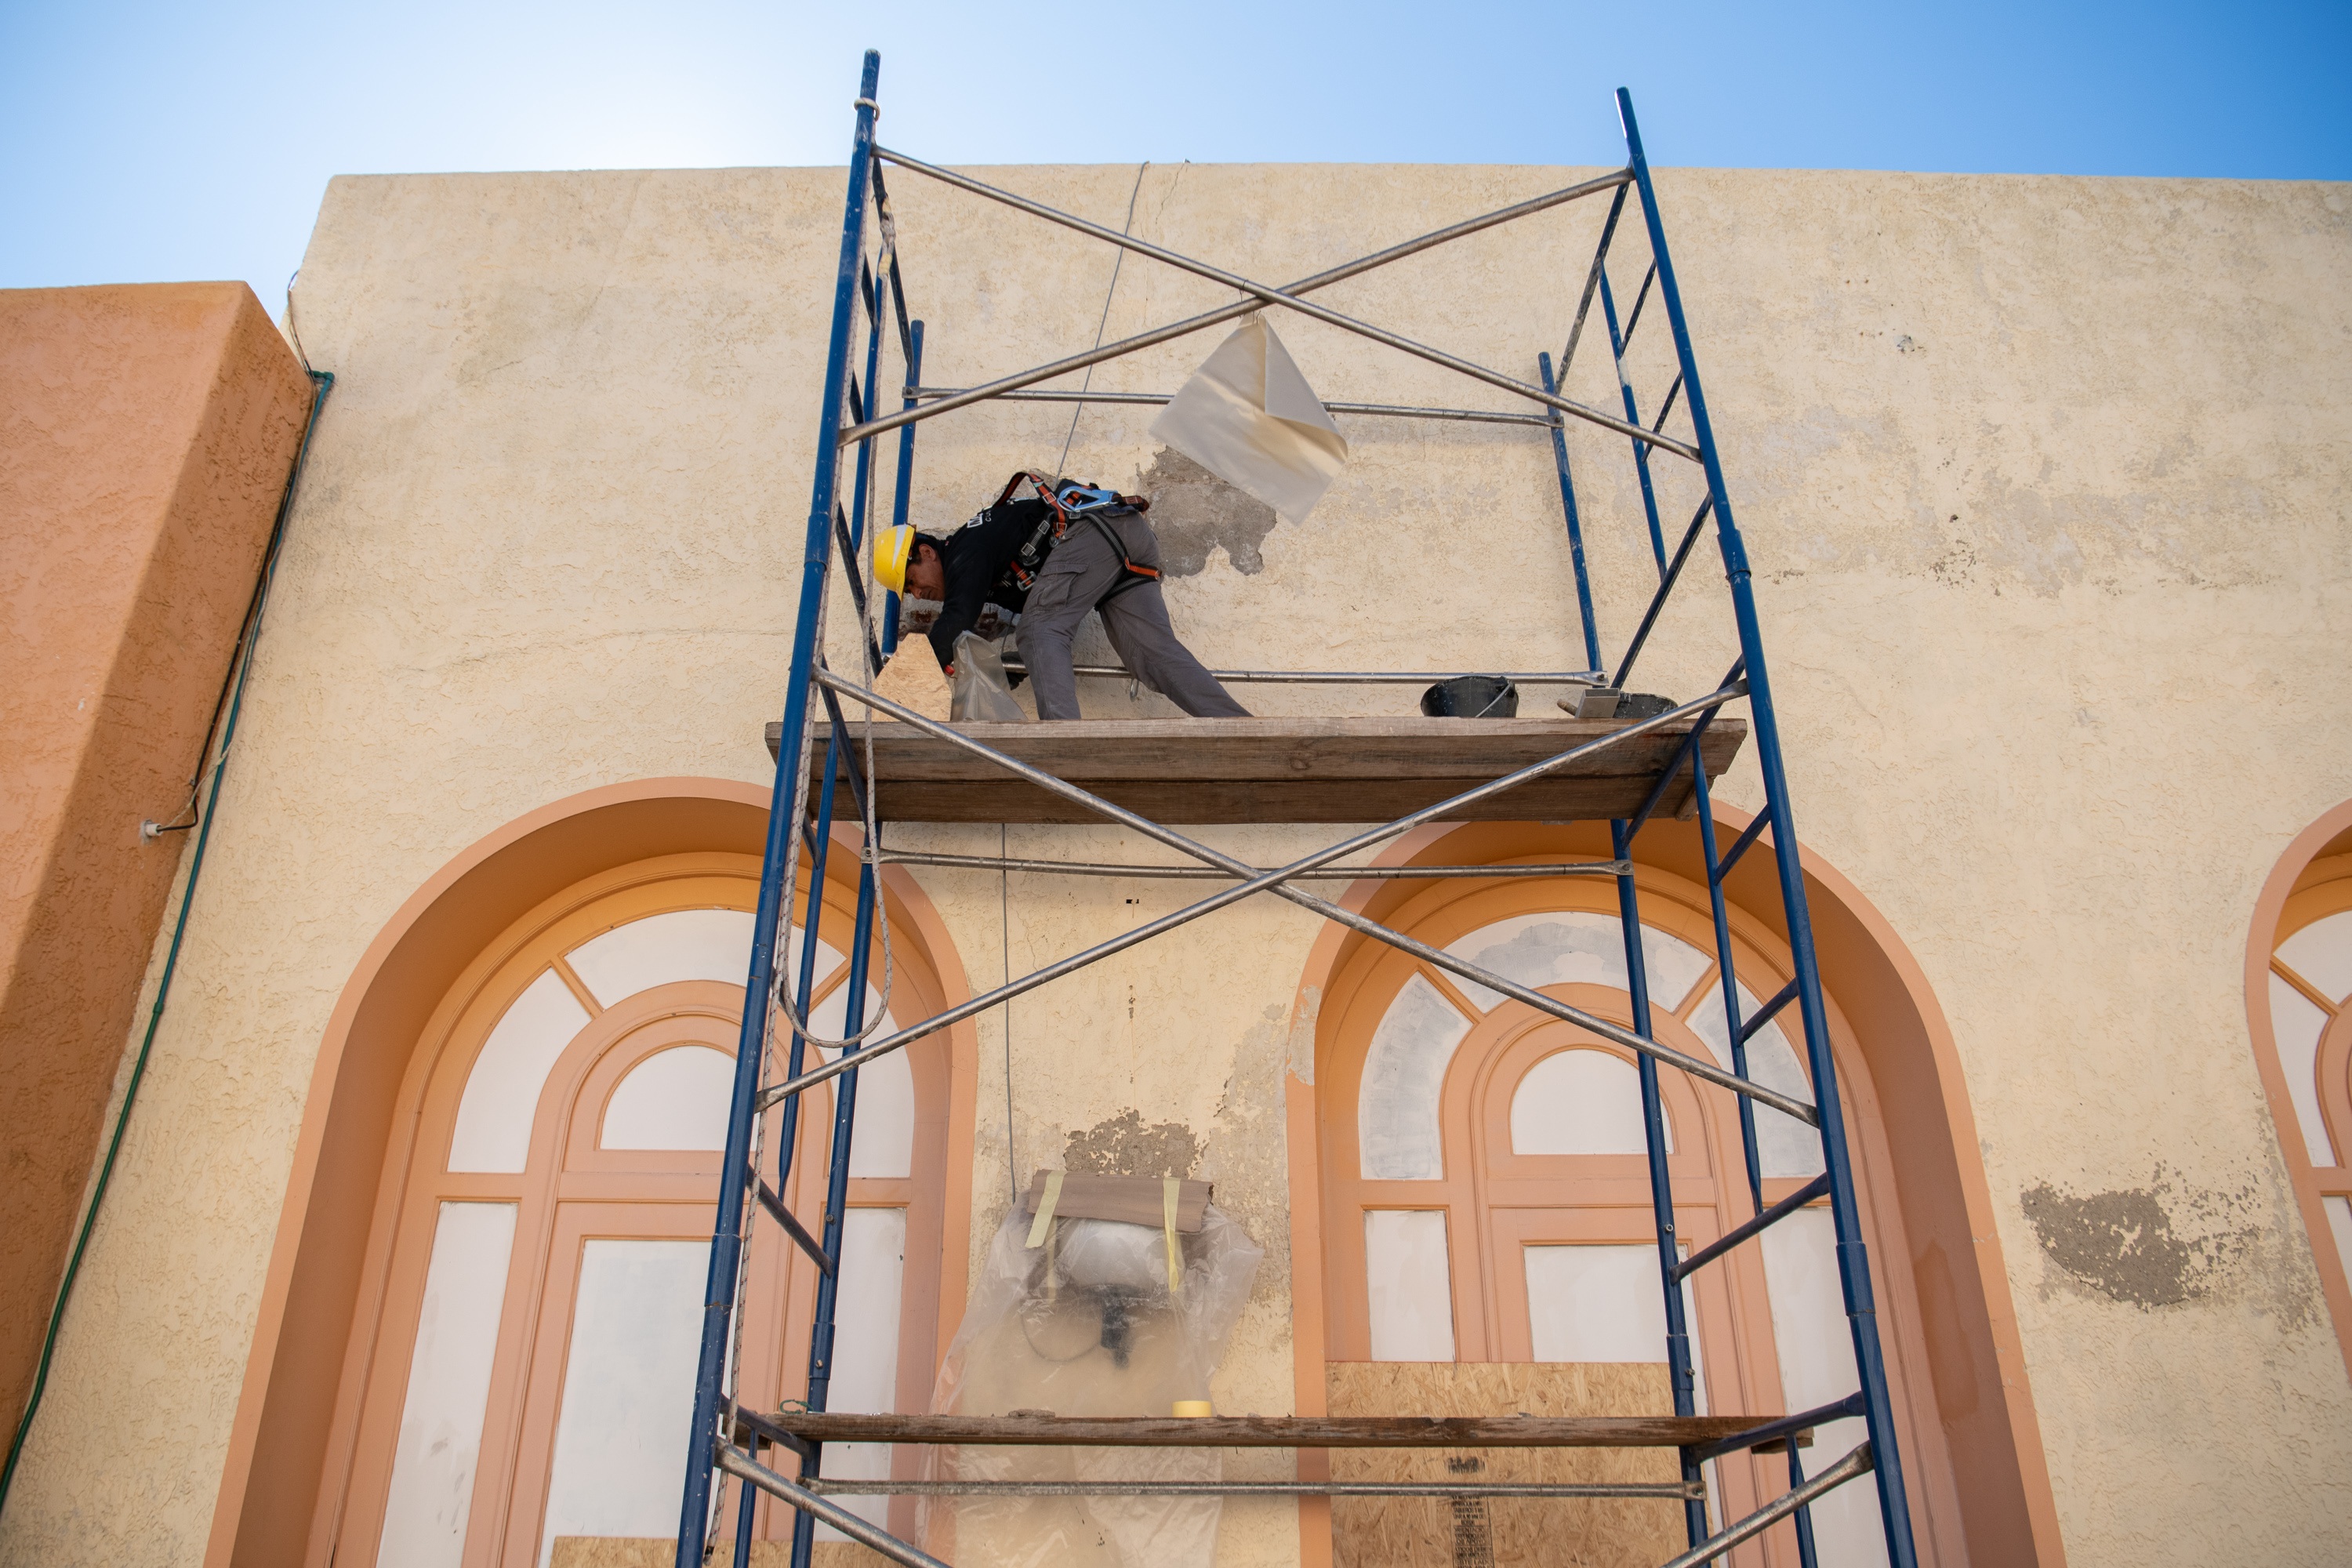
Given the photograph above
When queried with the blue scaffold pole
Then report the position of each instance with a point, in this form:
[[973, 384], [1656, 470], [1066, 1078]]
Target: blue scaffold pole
[[1575, 524], [1679, 1368], [837, 1198], [900, 496], [1854, 1263], [787, 805]]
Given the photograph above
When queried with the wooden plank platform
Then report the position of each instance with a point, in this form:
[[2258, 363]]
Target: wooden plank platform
[[1278, 770], [1276, 1431]]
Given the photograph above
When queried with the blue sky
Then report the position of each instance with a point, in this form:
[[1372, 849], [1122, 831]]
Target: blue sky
[[145, 143]]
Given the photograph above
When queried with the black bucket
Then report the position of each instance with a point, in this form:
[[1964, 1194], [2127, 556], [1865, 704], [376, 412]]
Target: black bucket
[[1471, 697], [1640, 705]]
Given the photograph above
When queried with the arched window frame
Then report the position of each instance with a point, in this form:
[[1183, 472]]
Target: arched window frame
[[2311, 880], [566, 1172], [1350, 999]]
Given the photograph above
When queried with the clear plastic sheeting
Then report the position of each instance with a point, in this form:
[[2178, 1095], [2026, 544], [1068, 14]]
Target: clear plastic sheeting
[[1248, 416], [982, 691], [1087, 1328]]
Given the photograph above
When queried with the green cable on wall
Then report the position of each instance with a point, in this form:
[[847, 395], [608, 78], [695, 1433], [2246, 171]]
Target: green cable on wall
[[324, 382]]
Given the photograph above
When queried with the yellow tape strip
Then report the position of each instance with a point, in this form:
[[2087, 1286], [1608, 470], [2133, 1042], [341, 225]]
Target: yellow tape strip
[[1168, 1191], [1043, 1224]]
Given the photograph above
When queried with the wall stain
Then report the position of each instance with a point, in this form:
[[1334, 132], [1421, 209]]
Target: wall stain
[[1124, 1146], [2151, 1247], [1194, 512]]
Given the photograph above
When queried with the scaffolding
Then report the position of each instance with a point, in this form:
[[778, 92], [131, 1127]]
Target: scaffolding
[[729, 1435]]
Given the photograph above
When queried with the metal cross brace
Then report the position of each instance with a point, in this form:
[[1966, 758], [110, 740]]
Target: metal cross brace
[[1258, 881], [1259, 296]]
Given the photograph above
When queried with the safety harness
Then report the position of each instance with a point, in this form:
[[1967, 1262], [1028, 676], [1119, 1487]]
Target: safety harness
[[1068, 504]]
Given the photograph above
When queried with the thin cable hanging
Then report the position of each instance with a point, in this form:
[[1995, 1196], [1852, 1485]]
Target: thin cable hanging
[[1118, 262]]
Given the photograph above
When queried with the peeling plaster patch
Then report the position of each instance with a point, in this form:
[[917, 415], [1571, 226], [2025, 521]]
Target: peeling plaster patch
[[1302, 1033], [1194, 512], [2126, 1246], [1124, 1146], [1249, 1157]]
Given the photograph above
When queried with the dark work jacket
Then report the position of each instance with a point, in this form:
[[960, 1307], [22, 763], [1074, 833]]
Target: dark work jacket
[[973, 559]]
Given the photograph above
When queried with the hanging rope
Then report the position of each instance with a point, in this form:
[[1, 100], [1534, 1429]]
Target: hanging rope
[[1105, 322]]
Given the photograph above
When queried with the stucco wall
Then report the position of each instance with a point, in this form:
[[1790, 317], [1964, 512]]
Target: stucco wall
[[2041, 479], [145, 435]]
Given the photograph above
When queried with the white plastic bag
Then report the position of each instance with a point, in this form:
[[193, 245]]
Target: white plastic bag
[[1086, 1326], [982, 691]]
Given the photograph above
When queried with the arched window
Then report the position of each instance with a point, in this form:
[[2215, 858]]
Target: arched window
[[2299, 995], [531, 1371], [1486, 1202]]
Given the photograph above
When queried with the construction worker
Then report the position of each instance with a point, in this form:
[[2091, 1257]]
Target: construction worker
[[1069, 549]]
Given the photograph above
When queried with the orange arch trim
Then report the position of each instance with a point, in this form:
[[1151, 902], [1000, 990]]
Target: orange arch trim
[[312, 1289], [2312, 858], [1975, 1360]]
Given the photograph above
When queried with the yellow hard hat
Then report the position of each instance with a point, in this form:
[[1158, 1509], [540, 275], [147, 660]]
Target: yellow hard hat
[[892, 549]]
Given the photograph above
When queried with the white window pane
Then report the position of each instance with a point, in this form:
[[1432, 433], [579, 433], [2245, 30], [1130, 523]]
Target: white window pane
[[2296, 1026], [493, 1130], [440, 1441], [865, 1345], [1396, 1111], [1816, 1350], [1580, 1102], [1410, 1284], [628, 1391], [1570, 945], [884, 1144], [2322, 954], [675, 1098], [1602, 1302], [684, 944], [1784, 1145], [2339, 1220]]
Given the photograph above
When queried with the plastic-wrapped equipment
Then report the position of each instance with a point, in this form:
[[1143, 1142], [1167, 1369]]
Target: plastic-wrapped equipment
[[1085, 1324]]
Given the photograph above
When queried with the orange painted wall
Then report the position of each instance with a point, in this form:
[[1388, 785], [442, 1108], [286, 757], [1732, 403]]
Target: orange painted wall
[[146, 432]]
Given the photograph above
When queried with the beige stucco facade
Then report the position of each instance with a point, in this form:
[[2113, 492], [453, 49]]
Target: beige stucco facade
[[2043, 479]]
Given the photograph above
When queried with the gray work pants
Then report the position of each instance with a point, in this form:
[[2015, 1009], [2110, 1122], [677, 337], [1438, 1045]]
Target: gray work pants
[[1083, 568]]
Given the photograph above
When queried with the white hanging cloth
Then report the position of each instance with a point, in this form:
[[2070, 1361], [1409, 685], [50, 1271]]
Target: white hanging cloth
[[1250, 419]]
